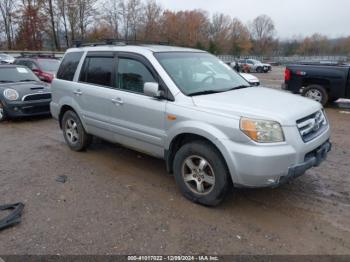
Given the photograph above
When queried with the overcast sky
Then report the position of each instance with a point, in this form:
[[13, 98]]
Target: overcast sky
[[291, 17]]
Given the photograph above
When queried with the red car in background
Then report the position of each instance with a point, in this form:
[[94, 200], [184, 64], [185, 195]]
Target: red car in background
[[44, 66]]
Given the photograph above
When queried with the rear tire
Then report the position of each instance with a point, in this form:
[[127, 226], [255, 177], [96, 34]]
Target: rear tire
[[74, 133], [317, 93], [3, 115], [201, 173]]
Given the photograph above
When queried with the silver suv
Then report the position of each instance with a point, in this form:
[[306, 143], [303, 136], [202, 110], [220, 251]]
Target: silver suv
[[185, 106]]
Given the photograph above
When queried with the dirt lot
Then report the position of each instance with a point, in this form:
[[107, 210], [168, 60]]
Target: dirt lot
[[117, 201]]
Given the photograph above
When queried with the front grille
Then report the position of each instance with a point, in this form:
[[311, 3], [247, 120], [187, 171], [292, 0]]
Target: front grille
[[312, 126], [36, 97]]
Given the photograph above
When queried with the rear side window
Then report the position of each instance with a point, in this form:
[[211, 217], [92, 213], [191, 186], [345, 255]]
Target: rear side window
[[98, 70], [69, 65]]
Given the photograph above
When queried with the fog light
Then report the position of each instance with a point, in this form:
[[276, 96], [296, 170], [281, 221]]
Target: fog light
[[15, 108]]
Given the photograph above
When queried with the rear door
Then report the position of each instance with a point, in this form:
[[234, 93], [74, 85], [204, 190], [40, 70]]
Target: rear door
[[137, 120], [95, 92]]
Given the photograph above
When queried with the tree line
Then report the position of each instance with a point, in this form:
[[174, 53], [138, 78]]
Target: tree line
[[57, 24]]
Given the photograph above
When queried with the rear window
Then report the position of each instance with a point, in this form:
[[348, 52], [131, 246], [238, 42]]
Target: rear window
[[69, 65], [49, 65]]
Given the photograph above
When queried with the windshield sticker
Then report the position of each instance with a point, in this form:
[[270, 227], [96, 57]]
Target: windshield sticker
[[22, 70]]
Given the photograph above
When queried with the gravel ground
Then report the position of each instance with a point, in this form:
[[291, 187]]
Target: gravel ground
[[118, 201]]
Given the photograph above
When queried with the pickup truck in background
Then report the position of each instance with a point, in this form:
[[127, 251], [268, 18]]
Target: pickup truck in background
[[320, 82]]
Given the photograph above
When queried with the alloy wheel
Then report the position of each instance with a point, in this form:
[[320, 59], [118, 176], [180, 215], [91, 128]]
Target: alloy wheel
[[198, 175], [71, 130], [314, 94]]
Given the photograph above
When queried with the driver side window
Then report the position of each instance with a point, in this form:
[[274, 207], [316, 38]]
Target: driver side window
[[132, 75]]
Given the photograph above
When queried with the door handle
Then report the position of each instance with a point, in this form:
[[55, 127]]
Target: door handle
[[78, 92], [118, 101]]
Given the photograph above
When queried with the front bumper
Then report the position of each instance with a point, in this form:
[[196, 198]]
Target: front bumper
[[313, 159], [27, 108], [254, 165]]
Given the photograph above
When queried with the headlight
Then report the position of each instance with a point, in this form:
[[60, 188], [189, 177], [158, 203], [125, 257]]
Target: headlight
[[11, 94], [262, 131]]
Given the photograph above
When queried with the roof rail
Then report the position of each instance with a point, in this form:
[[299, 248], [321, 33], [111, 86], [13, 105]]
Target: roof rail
[[118, 42]]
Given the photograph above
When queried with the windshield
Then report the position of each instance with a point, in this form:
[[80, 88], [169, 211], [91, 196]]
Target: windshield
[[200, 73], [49, 65], [16, 74]]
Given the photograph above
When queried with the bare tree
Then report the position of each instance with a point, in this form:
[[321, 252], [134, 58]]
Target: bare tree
[[239, 38], [62, 12], [152, 15], [72, 17], [85, 12], [6, 8], [134, 16], [262, 31], [220, 31], [112, 13], [51, 8]]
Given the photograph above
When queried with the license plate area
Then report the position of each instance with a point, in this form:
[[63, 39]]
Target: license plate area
[[320, 153]]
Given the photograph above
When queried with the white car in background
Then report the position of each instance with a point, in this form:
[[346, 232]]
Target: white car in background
[[253, 65], [6, 59]]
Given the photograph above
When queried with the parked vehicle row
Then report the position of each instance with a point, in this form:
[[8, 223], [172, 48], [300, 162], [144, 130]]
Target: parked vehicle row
[[185, 106]]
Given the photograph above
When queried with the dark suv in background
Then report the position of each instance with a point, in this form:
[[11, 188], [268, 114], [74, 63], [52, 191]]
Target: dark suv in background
[[44, 66]]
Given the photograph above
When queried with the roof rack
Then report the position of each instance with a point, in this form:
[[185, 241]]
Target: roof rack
[[118, 42]]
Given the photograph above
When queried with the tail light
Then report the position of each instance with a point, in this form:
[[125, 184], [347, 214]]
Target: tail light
[[287, 74]]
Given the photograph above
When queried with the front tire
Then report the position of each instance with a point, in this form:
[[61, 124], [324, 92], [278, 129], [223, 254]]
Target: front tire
[[74, 133], [317, 93], [201, 173], [3, 115]]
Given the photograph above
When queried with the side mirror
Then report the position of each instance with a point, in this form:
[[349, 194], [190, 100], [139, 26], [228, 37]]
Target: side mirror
[[152, 89]]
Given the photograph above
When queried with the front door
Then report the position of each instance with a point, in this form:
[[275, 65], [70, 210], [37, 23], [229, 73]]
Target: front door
[[137, 120]]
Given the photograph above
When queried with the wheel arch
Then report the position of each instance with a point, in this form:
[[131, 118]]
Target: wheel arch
[[316, 81], [185, 137], [63, 110]]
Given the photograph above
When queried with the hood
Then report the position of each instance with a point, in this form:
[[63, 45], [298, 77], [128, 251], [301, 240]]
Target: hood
[[250, 78], [25, 88], [260, 103]]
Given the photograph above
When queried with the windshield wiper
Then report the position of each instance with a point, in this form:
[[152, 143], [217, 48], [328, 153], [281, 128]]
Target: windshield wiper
[[238, 87], [206, 92], [6, 81]]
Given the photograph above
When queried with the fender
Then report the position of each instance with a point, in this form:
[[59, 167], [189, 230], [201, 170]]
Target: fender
[[209, 132]]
